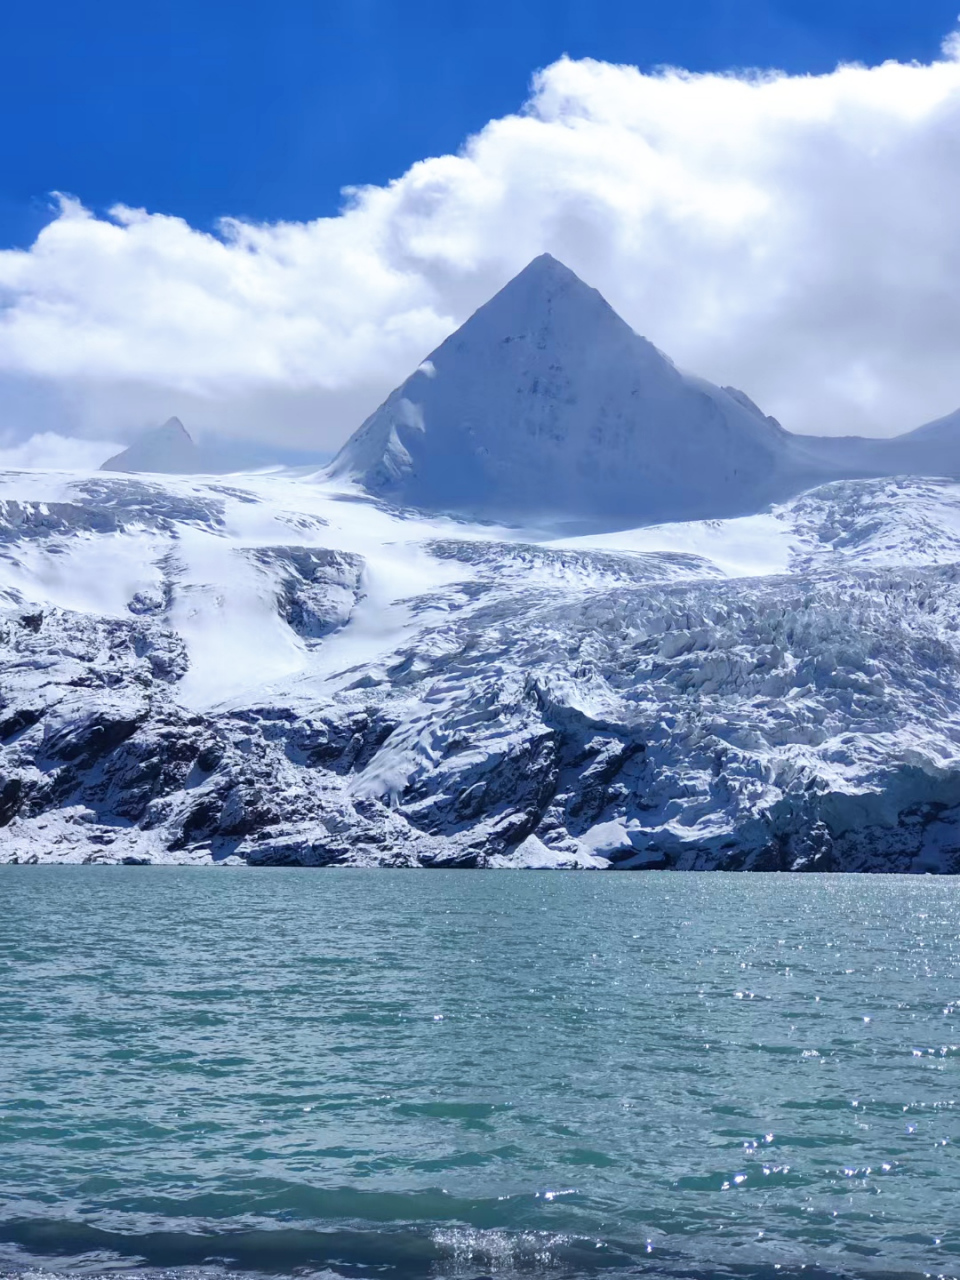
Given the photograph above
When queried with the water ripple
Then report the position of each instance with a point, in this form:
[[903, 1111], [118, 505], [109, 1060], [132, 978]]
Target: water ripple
[[418, 1075]]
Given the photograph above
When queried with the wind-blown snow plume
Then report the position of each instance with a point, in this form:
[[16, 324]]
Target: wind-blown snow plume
[[793, 235]]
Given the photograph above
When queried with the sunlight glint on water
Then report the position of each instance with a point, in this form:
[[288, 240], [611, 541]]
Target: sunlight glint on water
[[421, 1074]]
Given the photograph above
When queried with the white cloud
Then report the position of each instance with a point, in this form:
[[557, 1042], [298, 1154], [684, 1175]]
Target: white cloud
[[794, 235], [47, 451]]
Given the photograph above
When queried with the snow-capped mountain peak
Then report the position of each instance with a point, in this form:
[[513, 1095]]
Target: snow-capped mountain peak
[[168, 448], [546, 403]]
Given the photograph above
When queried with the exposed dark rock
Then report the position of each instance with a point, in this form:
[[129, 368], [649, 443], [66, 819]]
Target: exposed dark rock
[[558, 709]]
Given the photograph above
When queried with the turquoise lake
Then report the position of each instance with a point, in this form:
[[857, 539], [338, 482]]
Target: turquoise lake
[[422, 1074]]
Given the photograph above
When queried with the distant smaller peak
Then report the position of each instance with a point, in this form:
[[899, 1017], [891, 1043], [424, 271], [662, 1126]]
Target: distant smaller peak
[[167, 449]]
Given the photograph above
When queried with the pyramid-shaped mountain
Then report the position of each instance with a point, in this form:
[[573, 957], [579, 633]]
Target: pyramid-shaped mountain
[[546, 403], [169, 449]]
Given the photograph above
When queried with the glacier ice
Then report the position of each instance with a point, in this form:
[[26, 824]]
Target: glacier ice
[[279, 671]]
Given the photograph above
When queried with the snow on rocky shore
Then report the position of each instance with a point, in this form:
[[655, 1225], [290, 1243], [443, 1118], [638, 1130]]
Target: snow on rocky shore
[[284, 670]]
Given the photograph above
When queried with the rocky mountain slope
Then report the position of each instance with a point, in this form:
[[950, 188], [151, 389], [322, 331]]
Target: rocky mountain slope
[[281, 670]]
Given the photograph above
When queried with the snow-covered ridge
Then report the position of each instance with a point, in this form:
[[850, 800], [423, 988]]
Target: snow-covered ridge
[[277, 669]]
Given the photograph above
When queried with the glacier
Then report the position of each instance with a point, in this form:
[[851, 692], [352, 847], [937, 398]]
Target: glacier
[[285, 670], [555, 605]]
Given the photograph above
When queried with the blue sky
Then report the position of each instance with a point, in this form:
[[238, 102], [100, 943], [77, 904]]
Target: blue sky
[[266, 110], [792, 234]]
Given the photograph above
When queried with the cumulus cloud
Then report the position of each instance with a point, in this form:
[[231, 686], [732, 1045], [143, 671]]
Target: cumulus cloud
[[48, 451], [794, 235]]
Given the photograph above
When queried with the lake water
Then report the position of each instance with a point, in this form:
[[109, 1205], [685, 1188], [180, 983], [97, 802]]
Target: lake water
[[423, 1074]]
